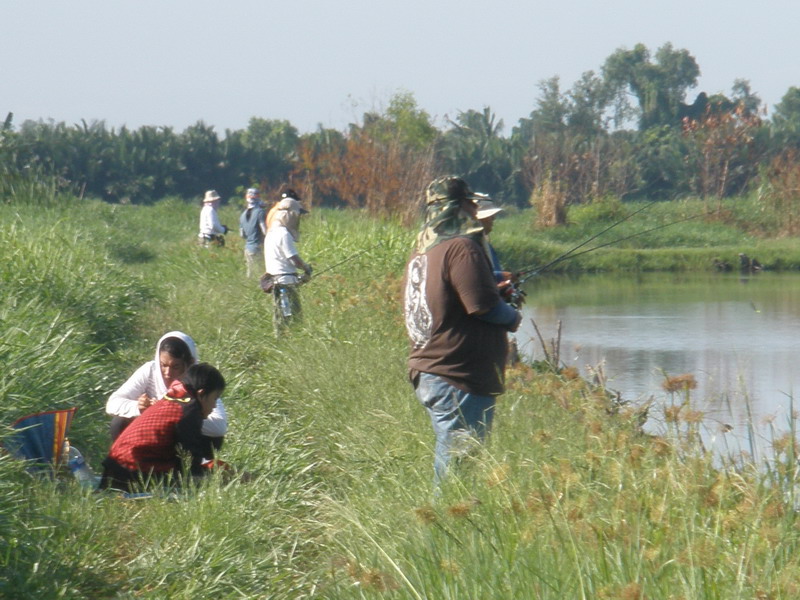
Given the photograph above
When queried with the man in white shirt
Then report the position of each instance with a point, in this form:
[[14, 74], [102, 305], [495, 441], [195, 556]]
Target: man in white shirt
[[211, 230]]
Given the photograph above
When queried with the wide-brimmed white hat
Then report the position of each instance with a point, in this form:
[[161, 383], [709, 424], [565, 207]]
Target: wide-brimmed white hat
[[211, 196], [486, 209]]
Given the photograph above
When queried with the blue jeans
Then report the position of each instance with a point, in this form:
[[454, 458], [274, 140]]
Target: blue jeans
[[280, 320], [460, 419]]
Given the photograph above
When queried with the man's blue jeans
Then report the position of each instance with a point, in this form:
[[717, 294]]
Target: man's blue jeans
[[459, 419]]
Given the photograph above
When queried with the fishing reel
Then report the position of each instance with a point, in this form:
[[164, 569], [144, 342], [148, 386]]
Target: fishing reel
[[512, 293]]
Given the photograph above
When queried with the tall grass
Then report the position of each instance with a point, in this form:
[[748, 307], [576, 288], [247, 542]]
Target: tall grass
[[31, 188], [568, 499]]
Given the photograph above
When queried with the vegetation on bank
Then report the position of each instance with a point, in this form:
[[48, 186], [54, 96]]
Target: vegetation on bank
[[568, 499], [686, 235]]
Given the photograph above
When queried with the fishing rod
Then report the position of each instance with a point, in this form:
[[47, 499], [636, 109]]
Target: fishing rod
[[345, 260], [338, 264], [532, 273], [633, 235], [568, 253], [515, 295]]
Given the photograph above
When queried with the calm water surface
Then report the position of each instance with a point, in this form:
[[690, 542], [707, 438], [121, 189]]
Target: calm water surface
[[738, 336]]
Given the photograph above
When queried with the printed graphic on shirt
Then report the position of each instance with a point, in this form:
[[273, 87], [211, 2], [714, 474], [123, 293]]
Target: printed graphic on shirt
[[419, 320]]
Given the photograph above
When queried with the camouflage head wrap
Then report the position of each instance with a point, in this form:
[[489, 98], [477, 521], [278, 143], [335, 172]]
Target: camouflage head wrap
[[444, 218]]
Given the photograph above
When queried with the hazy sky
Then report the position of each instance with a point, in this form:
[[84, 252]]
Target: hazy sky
[[174, 62]]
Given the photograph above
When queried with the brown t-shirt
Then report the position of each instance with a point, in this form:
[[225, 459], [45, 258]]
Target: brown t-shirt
[[443, 288]]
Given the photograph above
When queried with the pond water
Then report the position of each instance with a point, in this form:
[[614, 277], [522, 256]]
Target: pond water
[[738, 335]]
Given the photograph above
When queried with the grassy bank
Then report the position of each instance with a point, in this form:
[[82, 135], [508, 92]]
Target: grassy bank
[[567, 500], [686, 235]]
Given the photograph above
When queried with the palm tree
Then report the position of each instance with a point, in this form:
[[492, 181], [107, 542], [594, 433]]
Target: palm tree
[[475, 150]]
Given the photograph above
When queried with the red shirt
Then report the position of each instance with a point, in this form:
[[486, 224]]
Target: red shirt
[[150, 443]]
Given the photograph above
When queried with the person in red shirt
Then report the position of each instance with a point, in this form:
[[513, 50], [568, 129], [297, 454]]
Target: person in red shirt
[[148, 449]]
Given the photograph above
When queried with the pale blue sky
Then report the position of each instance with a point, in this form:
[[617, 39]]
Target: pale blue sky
[[174, 62]]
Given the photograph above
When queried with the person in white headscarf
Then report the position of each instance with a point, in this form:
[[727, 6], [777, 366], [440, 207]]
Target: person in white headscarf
[[175, 353], [281, 258]]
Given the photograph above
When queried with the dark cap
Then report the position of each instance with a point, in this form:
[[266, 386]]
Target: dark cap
[[290, 193]]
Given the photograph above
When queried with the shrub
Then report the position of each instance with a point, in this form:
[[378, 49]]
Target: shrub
[[549, 199], [606, 209], [780, 192]]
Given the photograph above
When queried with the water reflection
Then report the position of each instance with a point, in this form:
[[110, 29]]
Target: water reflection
[[737, 336]]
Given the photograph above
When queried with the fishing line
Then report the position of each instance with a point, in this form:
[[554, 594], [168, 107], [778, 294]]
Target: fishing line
[[627, 237], [567, 254], [572, 254], [349, 258]]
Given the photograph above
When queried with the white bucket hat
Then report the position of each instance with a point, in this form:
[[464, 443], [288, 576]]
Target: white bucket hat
[[211, 196]]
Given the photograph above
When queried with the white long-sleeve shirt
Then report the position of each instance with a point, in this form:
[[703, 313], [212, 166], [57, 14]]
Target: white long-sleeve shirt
[[209, 221]]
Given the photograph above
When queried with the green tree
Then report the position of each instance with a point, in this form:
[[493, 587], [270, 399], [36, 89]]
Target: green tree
[[145, 164], [743, 95], [200, 161], [659, 85], [474, 149], [270, 148], [80, 156], [412, 125], [566, 141], [660, 154], [786, 119], [587, 102], [549, 116]]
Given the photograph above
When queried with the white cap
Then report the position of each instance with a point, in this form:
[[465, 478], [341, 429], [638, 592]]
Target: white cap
[[486, 209]]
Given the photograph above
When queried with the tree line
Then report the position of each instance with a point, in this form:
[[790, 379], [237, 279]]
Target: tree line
[[628, 130]]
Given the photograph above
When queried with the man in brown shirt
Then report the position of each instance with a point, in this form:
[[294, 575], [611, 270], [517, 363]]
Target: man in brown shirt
[[456, 321]]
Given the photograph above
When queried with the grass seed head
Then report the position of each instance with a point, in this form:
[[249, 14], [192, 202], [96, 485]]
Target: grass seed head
[[693, 416], [671, 413], [449, 566], [662, 446], [425, 515], [570, 373], [377, 580], [460, 510], [679, 383], [498, 475], [784, 442], [635, 454]]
